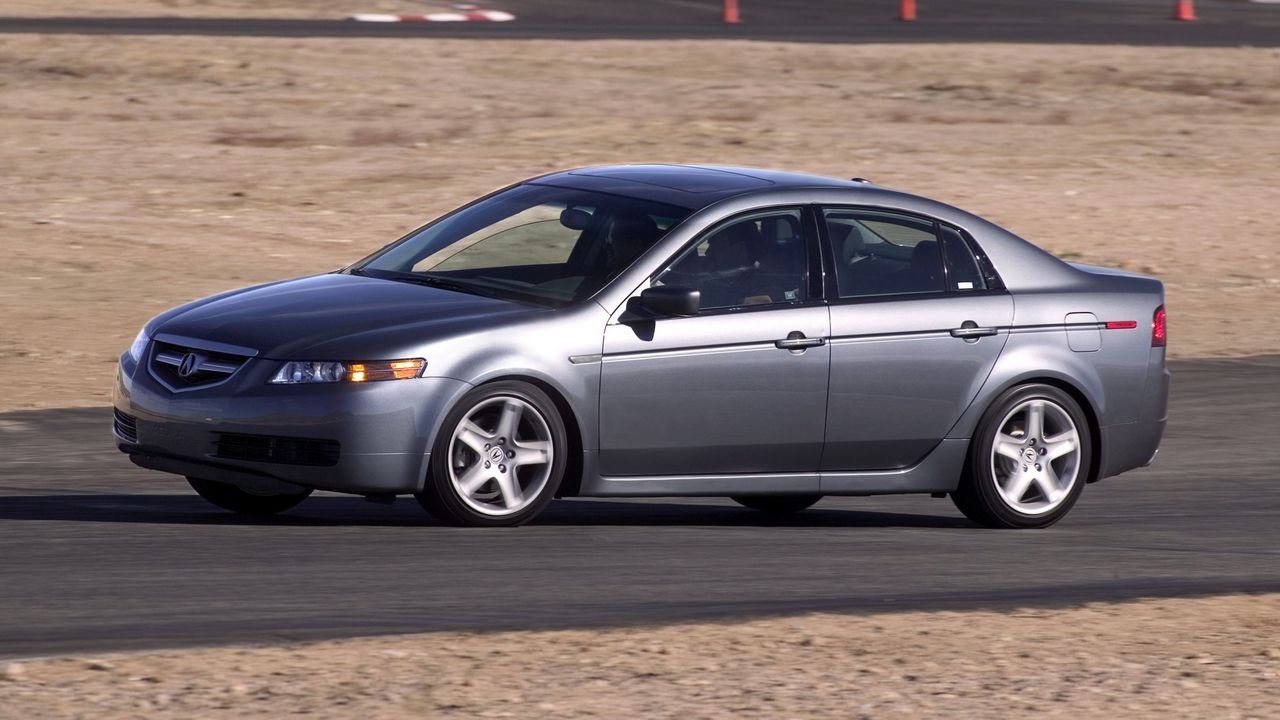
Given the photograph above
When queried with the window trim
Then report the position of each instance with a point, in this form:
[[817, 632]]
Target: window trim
[[832, 286]]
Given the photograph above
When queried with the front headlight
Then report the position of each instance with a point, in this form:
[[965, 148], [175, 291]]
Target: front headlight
[[139, 345], [299, 372]]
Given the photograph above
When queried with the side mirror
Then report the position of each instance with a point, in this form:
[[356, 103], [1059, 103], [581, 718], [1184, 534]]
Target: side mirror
[[671, 301]]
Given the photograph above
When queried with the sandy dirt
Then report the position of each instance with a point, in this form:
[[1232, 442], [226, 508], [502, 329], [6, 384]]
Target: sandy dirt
[[1206, 658], [138, 173], [300, 9], [143, 172]]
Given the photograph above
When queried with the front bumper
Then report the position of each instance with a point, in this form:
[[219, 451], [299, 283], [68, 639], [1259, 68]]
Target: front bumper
[[377, 435]]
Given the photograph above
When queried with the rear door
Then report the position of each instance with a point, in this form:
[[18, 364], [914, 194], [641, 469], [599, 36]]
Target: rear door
[[918, 318]]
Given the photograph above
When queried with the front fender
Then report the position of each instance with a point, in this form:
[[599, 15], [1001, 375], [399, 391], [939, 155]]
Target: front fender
[[561, 352]]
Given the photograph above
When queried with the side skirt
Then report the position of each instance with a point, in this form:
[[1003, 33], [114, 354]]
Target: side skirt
[[939, 471]]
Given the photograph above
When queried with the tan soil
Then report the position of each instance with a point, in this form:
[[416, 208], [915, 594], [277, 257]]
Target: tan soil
[[142, 172], [1205, 658], [300, 9]]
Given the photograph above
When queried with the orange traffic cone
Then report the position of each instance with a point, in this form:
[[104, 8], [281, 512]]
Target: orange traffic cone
[[907, 12], [731, 12], [1185, 10]]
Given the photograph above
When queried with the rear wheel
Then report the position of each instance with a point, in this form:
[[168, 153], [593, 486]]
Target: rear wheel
[[777, 504], [243, 502], [498, 459], [1029, 460]]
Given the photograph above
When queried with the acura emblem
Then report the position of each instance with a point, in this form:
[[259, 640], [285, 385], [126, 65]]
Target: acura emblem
[[188, 366]]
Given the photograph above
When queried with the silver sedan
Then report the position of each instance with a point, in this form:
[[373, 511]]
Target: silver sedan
[[660, 330]]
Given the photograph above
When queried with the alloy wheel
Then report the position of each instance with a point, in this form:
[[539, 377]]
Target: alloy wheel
[[501, 455], [1035, 457]]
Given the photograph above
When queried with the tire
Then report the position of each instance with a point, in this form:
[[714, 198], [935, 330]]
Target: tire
[[470, 483], [777, 504], [241, 502], [1024, 472]]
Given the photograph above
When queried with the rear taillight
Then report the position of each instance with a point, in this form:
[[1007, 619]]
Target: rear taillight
[[1157, 328]]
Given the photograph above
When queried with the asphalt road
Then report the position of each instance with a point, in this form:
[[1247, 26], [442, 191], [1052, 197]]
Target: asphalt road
[[1135, 22], [96, 554]]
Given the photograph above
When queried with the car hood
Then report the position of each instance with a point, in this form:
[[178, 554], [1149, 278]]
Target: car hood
[[337, 317]]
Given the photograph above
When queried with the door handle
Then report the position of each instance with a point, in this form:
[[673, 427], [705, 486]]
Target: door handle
[[970, 331], [797, 341]]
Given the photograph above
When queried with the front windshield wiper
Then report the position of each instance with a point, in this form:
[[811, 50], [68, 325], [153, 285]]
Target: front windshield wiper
[[430, 280]]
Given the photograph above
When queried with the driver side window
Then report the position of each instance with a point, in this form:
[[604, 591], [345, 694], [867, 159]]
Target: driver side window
[[756, 260]]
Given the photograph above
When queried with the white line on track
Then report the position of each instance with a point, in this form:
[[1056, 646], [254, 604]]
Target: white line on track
[[464, 16]]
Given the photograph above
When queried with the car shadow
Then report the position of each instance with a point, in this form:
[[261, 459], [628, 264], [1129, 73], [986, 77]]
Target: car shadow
[[583, 512], [345, 512]]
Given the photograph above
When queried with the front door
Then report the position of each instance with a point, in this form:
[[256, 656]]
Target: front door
[[739, 388]]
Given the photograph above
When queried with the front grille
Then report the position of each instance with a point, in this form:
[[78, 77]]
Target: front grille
[[126, 426], [187, 368], [274, 449]]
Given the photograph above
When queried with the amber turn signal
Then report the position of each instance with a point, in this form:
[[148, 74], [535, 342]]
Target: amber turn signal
[[385, 370]]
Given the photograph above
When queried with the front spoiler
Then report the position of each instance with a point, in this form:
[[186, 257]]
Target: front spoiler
[[252, 481]]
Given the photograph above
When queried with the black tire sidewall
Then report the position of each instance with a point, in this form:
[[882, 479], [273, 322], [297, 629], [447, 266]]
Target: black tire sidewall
[[980, 495], [440, 497]]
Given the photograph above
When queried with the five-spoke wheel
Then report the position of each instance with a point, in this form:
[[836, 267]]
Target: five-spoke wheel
[[499, 457], [1035, 457], [1029, 460]]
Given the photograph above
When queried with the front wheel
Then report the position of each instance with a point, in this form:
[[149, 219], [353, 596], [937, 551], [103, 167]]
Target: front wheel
[[1029, 460], [777, 504], [498, 459], [242, 502]]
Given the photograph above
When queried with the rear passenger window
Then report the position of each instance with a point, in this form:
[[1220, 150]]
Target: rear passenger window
[[881, 253], [885, 253]]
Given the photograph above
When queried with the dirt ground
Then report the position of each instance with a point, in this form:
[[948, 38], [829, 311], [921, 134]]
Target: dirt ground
[[142, 172], [310, 9], [137, 173], [1205, 658]]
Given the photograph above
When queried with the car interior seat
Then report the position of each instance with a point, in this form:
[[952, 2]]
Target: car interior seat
[[731, 259], [630, 236], [925, 272], [781, 268]]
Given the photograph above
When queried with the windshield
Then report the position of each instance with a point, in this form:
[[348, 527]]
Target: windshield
[[536, 243]]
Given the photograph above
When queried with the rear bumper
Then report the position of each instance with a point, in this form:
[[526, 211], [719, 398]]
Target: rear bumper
[[1133, 445], [382, 431]]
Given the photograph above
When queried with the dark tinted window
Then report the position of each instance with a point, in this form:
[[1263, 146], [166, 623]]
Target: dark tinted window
[[963, 272], [883, 253], [756, 260], [990, 278]]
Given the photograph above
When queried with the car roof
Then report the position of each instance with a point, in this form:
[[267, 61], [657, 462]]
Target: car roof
[[688, 186]]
